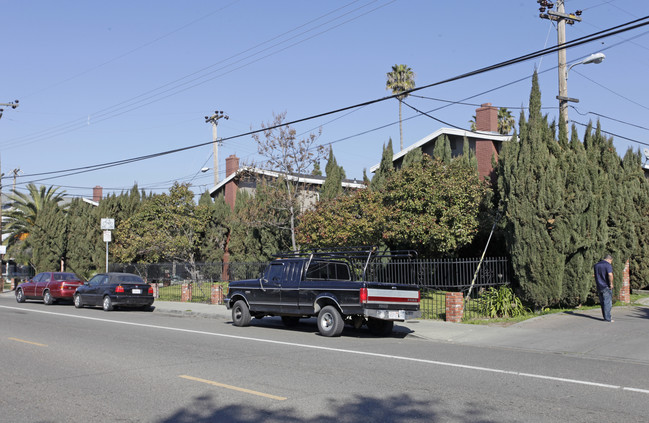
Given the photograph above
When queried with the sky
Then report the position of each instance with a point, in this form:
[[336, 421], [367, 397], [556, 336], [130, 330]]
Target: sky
[[104, 82]]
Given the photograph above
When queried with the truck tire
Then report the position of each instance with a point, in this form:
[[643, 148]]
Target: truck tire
[[330, 322], [380, 327], [241, 314]]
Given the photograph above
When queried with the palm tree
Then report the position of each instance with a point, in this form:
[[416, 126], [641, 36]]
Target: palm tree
[[400, 79], [506, 121], [25, 209], [472, 123]]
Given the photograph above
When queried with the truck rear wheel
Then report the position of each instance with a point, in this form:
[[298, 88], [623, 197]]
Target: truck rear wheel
[[241, 314], [380, 327], [330, 322]]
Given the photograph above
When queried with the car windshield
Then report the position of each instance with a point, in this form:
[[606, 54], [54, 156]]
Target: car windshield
[[128, 279], [66, 277]]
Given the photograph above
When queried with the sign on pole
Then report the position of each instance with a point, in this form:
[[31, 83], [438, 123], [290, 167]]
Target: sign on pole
[[107, 225]]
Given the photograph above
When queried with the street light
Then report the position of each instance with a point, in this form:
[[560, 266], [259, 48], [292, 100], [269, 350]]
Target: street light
[[595, 58], [563, 86]]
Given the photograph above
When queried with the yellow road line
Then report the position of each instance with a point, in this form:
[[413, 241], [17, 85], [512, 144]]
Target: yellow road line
[[234, 388], [28, 342]]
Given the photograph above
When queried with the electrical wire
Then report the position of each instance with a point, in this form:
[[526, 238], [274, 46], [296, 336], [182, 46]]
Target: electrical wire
[[590, 38], [177, 86], [610, 118]]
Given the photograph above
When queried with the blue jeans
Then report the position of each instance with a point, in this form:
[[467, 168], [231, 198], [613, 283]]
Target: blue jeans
[[606, 302]]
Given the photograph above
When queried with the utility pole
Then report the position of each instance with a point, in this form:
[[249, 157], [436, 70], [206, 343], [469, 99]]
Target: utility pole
[[16, 172], [13, 105], [561, 18], [214, 120]]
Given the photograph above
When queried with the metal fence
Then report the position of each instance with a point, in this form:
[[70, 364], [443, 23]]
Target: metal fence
[[433, 277]]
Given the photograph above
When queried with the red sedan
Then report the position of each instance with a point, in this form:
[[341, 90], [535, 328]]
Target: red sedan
[[49, 287]]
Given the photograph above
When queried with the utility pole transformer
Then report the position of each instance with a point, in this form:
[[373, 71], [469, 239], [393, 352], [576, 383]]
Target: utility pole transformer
[[214, 120], [561, 18]]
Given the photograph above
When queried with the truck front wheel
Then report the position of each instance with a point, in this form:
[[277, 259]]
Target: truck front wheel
[[240, 314], [330, 322]]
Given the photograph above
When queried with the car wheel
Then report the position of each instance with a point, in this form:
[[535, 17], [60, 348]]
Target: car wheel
[[47, 298], [78, 302], [290, 321], [380, 327], [146, 308], [20, 296], [107, 304], [330, 322], [240, 314]]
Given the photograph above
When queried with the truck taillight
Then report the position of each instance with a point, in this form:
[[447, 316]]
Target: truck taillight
[[363, 295], [119, 288]]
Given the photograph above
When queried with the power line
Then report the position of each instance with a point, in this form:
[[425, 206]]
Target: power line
[[610, 118], [583, 40], [177, 86], [613, 134]]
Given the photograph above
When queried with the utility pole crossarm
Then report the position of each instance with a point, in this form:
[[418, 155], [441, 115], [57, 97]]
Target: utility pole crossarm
[[214, 120]]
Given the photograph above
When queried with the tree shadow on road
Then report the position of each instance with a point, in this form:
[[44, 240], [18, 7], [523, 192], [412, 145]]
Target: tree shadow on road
[[359, 408]]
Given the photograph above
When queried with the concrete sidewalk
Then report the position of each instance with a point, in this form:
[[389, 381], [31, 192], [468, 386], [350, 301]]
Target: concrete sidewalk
[[580, 333]]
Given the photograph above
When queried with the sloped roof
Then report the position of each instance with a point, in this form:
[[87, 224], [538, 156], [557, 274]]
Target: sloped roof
[[483, 135], [306, 179]]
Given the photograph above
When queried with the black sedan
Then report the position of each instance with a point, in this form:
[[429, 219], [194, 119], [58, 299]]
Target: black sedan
[[111, 290]]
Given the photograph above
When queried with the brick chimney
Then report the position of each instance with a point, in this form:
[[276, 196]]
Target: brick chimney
[[231, 166], [486, 119], [97, 193]]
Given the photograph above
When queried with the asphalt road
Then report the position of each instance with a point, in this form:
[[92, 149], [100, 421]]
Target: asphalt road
[[61, 364]]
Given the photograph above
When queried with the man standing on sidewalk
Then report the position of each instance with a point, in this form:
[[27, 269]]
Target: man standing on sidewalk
[[604, 281]]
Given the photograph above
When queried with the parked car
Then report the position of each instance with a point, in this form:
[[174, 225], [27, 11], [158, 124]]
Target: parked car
[[111, 290], [49, 287]]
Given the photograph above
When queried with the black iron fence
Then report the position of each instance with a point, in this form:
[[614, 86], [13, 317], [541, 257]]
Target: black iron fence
[[433, 277]]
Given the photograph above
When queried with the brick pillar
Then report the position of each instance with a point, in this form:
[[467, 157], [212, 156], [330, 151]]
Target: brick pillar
[[625, 290], [186, 293], [454, 306], [217, 294], [156, 290]]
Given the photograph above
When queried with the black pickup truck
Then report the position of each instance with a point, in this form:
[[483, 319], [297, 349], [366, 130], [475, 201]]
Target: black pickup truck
[[331, 286]]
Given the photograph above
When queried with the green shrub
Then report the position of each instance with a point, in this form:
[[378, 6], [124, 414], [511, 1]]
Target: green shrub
[[501, 302]]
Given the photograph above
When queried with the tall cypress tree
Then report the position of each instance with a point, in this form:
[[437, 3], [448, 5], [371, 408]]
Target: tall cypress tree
[[530, 184], [332, 186], [442, 149], [579, 222], [385, 168]]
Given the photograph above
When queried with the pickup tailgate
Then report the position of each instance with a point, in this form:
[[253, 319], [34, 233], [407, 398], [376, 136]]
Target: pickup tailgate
[[391, 301]]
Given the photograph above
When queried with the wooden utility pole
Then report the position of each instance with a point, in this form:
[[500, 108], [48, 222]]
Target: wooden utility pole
[[13, 105], [561, 18], [214, 120]]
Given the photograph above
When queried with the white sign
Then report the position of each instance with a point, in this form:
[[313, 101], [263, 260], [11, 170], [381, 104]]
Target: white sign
[[107, 236], [3, 249], [107, 224]]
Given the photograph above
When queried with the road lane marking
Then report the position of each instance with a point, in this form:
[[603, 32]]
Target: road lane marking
[[234, 388], [28, 342], [346, 351]]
